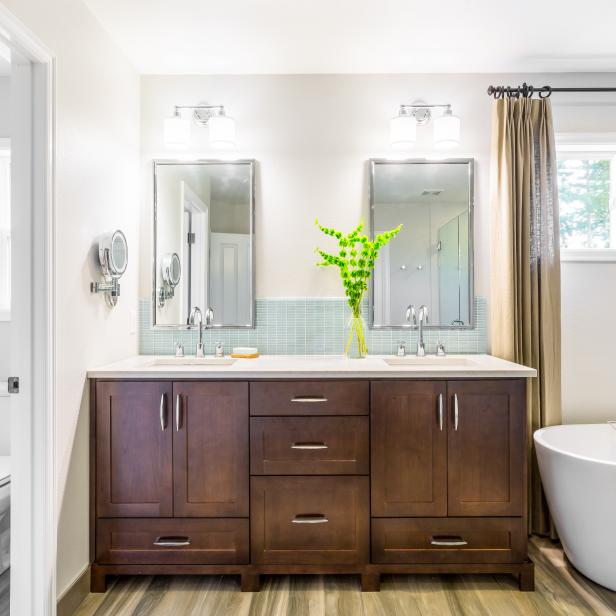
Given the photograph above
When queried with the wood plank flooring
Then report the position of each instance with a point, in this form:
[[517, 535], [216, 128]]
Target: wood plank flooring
[[4, 593], [560, 590]]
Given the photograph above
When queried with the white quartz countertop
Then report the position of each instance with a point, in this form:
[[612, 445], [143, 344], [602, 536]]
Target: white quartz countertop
[[315, 366]]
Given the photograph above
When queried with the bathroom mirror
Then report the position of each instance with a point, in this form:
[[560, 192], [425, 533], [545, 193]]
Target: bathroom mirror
[[112, 250], [203, 241], [430, 262]]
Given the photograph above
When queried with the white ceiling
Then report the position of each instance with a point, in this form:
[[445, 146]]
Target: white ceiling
[[361, 36]]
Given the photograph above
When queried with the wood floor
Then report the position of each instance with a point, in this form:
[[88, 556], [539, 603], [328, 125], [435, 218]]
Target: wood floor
[[559, 590], [4, 593]]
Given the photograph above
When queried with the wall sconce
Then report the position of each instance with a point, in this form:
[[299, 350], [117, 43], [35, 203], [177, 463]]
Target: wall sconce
[[113, 261], [221, 126], [403, 127]]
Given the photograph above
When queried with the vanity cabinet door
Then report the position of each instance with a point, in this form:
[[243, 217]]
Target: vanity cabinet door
[[487, 448], [409, 448], [133, 449], [210, 449]]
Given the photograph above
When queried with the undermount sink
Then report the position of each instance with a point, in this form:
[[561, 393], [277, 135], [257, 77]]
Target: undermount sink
[[430, 360], [194, 361]]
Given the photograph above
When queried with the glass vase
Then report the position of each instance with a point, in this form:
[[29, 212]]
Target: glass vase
[[355, 337]]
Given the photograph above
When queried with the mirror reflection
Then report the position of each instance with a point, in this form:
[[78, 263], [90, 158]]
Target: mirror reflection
[[429, 264], [203, 253]]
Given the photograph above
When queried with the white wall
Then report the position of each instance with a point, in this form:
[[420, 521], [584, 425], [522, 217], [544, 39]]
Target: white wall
[[4, 325], [97, 172]]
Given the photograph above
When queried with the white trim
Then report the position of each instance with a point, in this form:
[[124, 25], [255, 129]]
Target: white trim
[[5, 315], [33, 585], [588, 255]]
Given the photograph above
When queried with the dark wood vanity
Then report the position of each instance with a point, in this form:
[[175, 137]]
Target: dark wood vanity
[[318, 476]]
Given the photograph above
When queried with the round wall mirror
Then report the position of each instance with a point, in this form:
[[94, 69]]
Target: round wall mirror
[[171, 269], [113, 254]]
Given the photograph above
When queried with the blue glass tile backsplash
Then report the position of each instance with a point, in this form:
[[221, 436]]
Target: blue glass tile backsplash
[[306, 326]]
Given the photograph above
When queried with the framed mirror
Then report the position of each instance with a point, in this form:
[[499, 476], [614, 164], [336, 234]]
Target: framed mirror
[[430, 262], [203, 242]]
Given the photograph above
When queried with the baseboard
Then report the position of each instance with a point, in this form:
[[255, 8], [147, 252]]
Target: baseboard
[[73, 596]]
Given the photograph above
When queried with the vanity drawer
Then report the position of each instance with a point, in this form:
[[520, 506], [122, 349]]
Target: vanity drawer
[[168, 541], [448, 540], [309, 398], [309, 446], [309, 520]]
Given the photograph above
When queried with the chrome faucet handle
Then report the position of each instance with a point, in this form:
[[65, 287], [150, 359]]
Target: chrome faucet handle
[[440, 349], [401, 349], [209, 317], [411, 316], [219, 350], [179, 350]]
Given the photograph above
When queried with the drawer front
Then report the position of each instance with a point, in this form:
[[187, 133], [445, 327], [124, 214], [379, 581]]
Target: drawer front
[[171, 541], [310, 520], [309, 398], [448, 540], [309, 446]]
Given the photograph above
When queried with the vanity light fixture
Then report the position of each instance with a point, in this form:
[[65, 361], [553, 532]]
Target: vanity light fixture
[[221, 127], [403, 127]]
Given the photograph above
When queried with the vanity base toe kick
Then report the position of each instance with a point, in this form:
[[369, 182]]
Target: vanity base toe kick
[[293, 477]]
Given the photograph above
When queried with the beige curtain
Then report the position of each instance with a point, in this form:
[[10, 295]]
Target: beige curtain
[[525, 303]]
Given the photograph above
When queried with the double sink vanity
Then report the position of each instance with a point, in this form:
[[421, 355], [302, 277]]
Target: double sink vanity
[[309, 464]]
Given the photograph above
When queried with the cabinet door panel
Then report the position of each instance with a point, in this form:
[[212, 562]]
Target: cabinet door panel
[[210, 449], [409, 449], [487, 451], [133, 449]]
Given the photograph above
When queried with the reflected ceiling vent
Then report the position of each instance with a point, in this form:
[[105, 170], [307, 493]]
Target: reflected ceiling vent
[[431, 192]]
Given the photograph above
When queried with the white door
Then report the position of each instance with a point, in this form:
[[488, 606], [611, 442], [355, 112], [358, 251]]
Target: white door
[[230, 278]]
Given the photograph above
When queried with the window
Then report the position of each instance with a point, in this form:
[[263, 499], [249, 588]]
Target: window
[[586, 194], [5, 230]]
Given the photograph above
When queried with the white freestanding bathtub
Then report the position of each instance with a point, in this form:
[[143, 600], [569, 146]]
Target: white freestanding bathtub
[[578, 471]]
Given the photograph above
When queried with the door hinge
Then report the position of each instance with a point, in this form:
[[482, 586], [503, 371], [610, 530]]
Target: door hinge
[[13, 385], [191, 238]]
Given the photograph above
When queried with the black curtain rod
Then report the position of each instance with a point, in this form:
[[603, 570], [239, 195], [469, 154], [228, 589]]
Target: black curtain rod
[[526, 91]]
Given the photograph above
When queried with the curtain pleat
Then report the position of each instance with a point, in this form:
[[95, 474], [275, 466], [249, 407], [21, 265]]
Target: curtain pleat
[[525, 271]]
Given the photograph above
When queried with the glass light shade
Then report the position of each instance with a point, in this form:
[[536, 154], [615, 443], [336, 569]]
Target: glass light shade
[[446, 131], [222, 132], [177, 132], [402, 131]]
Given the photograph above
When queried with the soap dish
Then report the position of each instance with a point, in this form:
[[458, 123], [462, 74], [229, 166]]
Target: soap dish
[[245, 352]]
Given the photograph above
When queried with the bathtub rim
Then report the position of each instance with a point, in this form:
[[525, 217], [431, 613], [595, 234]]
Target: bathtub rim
[[537, 434]]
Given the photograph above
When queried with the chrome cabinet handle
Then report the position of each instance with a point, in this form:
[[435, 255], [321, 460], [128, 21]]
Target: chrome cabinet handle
[[309, 446], [163, 412], [310, 518], [172, 542], [448, 541], [456, 412], [178, 412], [309, 399], [441, 413]]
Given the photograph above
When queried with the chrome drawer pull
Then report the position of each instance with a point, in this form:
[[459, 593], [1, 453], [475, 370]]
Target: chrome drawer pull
[[178, 412], [309, 518], [309, 446], [448, 541], [172, 542], [309, 399], [456, 412], [163, 412], [440, 412]]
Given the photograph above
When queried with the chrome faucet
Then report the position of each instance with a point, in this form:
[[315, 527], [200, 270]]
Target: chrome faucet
[[195, 314], [420, 321], [401, 348]]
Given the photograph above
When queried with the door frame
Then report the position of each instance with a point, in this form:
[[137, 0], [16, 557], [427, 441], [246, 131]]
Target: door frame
[[33, 489]]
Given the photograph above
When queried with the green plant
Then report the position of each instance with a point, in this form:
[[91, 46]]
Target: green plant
[[355, 260]]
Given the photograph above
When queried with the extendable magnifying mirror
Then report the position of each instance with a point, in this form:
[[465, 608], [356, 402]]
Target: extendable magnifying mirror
[[113, 261]]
